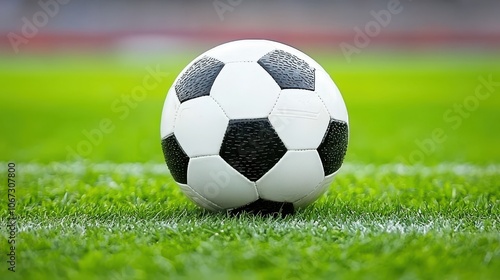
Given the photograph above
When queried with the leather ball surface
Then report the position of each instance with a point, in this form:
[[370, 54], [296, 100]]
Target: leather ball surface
[[252, 123]]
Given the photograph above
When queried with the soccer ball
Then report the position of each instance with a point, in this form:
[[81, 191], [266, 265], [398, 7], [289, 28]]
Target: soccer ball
[[254, 125]]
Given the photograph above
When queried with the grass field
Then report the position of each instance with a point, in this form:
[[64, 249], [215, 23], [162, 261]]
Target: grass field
[[397, 209]]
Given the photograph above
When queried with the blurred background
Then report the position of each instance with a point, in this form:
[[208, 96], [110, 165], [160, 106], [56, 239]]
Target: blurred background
[[420, 78], [168, 25]]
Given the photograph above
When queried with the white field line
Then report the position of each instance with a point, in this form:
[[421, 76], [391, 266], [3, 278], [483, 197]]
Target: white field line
[[314, 227], [356, 169], [320, 226]]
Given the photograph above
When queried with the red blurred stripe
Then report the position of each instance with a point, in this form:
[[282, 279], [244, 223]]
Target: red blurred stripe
[[96, 40]]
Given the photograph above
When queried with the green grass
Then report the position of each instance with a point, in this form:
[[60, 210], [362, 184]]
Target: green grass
[[117, 214], [108, 220]]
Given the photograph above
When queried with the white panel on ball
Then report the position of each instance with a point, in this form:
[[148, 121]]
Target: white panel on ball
[[293, 177], [316, 193], [200, 126], [300, 118], [244, 51], [198, 199], [168, 114], [245, 90], [218, 182], [330, 94]]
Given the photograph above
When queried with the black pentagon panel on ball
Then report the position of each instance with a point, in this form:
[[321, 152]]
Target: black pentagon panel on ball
[[289, 71], [334, 146], [198, 79], [176, 159], [252, 147]]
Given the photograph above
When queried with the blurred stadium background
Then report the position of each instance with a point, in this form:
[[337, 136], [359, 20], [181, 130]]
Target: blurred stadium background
[[72, 55], [171, 25]]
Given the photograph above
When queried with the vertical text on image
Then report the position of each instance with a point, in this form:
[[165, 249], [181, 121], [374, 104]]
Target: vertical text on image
[[11, 218]]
